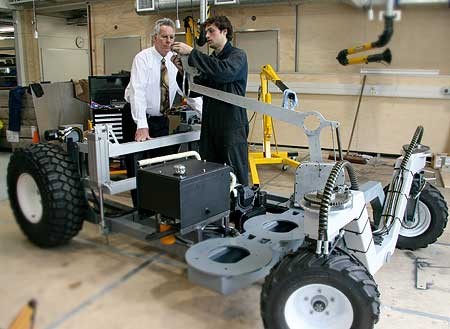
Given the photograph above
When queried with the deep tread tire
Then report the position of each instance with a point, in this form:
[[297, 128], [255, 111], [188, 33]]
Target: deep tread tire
[[431, 198], [61, 192], [338, 271]]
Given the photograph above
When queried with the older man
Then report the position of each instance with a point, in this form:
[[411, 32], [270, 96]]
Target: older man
[[150, 94], [153, 85]]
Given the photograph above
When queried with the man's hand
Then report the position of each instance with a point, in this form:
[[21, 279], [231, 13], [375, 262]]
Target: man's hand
[[177, 61], [141, 135], [181, 48]]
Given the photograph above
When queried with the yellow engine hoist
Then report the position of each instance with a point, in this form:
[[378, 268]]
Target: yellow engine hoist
[[289, 101]]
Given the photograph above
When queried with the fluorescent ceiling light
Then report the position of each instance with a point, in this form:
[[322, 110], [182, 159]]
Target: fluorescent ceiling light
[[7, 29], [400, 72]]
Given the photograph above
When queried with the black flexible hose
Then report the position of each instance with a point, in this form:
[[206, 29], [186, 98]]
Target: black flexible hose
[[417, 138], [392, 200], [386, 36], [328, 191]]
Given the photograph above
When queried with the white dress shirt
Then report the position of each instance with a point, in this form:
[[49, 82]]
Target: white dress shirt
[[144, 92]]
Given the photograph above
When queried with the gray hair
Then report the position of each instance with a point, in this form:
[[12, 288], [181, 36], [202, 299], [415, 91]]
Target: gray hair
[[163, 21]]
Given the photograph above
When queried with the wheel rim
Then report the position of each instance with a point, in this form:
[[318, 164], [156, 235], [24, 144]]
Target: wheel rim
[[29, 198], [318, 306], [420, 223]]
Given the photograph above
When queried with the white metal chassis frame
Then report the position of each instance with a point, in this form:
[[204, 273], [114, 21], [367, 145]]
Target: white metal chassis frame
[[99, 149], [353, 224]]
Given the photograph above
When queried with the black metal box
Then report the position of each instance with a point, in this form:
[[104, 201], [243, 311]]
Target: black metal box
[[203, 191]]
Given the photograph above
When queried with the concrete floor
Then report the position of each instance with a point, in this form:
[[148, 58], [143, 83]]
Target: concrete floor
[[129, 284]]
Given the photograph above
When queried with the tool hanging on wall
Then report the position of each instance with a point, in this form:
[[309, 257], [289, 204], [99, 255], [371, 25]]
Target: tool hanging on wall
[[383, 39]]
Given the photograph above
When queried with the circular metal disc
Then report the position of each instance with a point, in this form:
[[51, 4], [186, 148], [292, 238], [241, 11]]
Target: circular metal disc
[[265, 226], [204, 256]]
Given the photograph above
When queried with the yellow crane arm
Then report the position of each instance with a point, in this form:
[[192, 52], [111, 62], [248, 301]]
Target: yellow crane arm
[[267, 156]]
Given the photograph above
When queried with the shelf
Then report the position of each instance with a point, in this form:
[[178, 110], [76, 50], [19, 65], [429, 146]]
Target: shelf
[[8, 78]]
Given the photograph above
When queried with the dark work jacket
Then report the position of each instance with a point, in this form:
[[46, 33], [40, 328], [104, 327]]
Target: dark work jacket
[[226, 71]]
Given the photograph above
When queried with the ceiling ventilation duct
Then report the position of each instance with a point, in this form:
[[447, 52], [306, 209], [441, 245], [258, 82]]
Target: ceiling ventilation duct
[[145, 5], [226, 2], [368, 3]]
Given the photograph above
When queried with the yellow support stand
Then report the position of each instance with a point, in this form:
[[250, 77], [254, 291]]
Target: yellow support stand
[[267, 156]]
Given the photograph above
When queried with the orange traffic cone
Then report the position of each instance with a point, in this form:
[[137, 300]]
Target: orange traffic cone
[[34, 135]]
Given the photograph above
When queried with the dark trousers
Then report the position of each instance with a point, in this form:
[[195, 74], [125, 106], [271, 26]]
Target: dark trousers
[[158, 126], [227, 146]]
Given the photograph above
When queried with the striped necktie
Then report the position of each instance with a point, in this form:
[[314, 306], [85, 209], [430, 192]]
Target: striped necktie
[[164, 84]]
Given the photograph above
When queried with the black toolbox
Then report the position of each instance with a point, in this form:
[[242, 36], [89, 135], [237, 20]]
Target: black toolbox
[[202, 192]]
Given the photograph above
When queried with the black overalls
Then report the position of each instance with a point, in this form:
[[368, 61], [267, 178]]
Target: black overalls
[[224, 132]]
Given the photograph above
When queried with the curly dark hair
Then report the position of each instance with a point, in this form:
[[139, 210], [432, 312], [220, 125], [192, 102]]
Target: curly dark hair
[[222, 23]]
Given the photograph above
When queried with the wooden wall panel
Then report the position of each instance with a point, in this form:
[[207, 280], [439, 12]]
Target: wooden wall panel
[[107, 15], [119, 18], [420, 41], [268, 17], [384, 124]]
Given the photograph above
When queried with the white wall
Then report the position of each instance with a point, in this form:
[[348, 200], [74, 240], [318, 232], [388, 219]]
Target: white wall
[[61, 59], [4, 4]]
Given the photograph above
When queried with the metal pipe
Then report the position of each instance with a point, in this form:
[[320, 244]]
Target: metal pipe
[[297, 35], [355, 119], [91, 50], [338, 138], [203, 9], [101, 210], [169, 157], [390, 8]]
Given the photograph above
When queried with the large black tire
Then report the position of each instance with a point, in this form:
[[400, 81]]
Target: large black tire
[[304, 291], [46, 194], [429, 223]]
